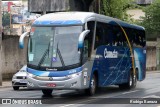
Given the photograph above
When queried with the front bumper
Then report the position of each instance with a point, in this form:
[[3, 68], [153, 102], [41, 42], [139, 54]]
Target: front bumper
[[19, 82], [60, 83]]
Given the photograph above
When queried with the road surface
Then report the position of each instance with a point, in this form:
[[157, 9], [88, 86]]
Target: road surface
[[110, 96]]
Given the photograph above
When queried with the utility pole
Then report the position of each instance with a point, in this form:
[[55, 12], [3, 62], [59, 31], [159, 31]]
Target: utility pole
[[99, 6], [0, 44]]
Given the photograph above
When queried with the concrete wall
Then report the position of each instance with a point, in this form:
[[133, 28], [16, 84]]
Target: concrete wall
[[13, 58], [151, 63], [48, 5], [39, 6]]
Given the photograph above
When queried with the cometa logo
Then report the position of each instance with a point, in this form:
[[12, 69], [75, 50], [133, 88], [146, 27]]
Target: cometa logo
[[110, 54]]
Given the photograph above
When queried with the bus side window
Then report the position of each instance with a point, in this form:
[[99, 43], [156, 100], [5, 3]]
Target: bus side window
[[142, 38], [110, 35], [99, 38], [106, 35], [90, 26], [85, 50]]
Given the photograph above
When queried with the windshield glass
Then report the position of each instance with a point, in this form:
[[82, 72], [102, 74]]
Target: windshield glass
[[54, 46]]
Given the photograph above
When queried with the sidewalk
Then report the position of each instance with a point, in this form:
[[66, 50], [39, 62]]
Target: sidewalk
[[6, 84]]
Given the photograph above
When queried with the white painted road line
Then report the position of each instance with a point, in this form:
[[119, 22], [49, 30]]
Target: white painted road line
[[130, 92], [152, 96], [68, 105]]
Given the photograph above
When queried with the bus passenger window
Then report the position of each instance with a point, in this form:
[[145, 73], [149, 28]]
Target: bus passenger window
[[99, 35], [85, 50], [96, 41], [91, 27]]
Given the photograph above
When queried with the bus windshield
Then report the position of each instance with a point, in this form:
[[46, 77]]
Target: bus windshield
[[54, 46]]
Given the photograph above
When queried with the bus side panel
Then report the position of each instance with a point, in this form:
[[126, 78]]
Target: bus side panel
[[140, 62], [113, 64], [87, 73]]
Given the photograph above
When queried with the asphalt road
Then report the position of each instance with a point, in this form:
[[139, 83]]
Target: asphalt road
[[110, 96]]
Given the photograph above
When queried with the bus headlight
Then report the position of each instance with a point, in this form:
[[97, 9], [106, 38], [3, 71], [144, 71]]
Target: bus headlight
[[14, 77], [74, 75], [30, 75]]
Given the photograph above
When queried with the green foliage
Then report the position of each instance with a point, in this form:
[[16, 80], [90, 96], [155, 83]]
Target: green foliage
[[6, 19], [116, 8], [151, 21]]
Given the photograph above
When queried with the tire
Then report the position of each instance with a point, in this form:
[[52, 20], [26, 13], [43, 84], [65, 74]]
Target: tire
[[93, 86], [132, 82], [15, 88], [47, 92]]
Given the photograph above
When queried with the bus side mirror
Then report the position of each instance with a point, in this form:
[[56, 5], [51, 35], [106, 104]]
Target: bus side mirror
[[82, 37], [21, 39]]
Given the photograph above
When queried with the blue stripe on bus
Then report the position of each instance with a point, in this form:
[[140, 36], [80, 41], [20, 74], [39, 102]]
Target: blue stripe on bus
[[80, 44], [54, 73], [58, 22]]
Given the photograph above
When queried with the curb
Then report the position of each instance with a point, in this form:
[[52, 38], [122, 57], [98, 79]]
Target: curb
[[152, 71], [8, 84], [5, 86]]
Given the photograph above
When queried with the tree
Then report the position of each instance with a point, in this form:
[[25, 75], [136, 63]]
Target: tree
[[116, 8], [6, 19], [151, 21]]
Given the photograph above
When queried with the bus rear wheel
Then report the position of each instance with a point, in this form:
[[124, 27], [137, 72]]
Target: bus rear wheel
[[47, 92], [93, 86], [131, 83]]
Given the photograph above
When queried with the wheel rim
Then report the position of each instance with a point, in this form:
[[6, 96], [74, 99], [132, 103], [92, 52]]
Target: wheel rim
[[93, 86], [130, 82]]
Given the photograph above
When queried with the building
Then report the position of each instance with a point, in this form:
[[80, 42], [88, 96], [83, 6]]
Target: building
[[19, 17], [144, 2]]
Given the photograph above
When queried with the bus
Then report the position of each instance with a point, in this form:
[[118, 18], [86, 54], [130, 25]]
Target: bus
[[84, 51]]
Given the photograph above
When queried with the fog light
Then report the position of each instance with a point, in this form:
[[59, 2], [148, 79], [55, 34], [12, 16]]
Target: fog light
[[74, 75]]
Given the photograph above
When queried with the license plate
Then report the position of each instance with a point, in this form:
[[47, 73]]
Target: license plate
[[23, 81], [51, 85]]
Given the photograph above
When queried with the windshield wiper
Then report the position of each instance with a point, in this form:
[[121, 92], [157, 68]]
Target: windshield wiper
[[44, 56], [60, 56]]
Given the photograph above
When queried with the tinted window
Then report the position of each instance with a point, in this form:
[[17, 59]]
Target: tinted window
[[102, 34], [136, 37]]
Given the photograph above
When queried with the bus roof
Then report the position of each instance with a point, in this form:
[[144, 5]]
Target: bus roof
[[79, 18]]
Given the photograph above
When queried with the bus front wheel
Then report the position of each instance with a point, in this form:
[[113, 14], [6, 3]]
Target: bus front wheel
[[47, 92], [93, 85]]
